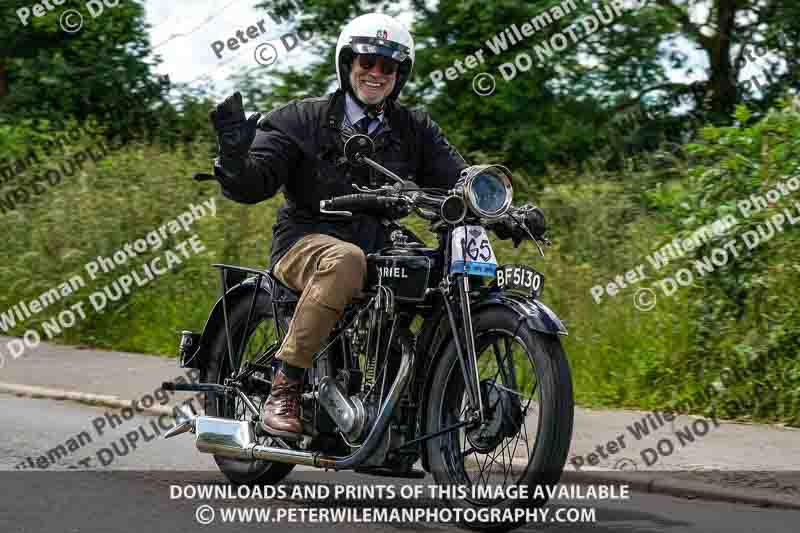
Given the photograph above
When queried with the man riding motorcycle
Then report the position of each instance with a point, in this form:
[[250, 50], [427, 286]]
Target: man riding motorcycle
[[297, 148]]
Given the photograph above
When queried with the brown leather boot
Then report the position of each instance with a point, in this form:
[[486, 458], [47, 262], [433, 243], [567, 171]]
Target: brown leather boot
[[280, 414]]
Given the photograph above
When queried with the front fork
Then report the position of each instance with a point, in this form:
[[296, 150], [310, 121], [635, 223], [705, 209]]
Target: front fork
[[469, 360]]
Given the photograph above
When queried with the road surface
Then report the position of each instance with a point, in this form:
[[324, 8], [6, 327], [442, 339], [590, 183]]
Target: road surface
[[137, 490]]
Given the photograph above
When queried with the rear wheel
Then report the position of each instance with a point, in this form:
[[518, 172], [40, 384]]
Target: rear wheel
[[526, 391], [260, 335]]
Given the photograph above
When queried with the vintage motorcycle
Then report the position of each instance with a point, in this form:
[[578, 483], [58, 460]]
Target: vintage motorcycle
[[446, 358]]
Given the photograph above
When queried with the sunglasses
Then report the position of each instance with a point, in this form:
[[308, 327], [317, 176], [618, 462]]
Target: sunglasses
[[388, 66]]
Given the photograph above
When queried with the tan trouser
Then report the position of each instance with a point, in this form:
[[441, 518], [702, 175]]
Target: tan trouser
[[330, 273]]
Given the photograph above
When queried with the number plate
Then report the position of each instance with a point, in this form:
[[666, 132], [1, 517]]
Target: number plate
[[520, 277], [472, 252]]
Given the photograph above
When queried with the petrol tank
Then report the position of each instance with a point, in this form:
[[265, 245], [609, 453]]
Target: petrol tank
[[407, 270]]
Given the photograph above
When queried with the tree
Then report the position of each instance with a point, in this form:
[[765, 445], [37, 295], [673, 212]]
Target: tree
[[728, 34], [555, 109], [104, 70]]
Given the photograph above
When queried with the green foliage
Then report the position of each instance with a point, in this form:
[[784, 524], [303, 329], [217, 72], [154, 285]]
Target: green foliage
[[743, 314], [556, 112], [130, 193], [101, 74], [52, 73]]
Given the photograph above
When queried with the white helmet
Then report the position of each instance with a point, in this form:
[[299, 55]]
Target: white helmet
[[375, 33]]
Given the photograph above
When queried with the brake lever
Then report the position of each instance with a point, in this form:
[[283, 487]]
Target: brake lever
[[368, 190], [337, 213], [536, 242], [324, 211]]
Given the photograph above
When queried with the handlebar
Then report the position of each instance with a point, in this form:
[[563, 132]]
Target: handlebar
[[520, 223], [359, 202]]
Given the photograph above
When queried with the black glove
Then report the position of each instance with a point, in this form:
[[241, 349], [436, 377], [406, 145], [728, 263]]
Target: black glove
[[396, 212], [235, 134], [234, 137], [503, 228], [533, 218], [508, 227]]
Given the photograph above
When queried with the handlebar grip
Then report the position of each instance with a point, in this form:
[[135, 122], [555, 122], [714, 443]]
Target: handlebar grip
[[515, 226], [356, 202], [503, 226]]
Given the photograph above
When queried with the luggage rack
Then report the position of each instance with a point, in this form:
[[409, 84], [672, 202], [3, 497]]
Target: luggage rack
[[223, 270], [238, 374]]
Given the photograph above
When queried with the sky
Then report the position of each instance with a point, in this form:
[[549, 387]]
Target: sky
[[183, 32]]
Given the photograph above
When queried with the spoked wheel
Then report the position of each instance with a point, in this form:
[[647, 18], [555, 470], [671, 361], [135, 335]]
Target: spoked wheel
[[524, 439], [260, 337]]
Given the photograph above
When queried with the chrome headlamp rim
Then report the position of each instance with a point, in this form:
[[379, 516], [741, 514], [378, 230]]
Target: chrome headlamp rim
[[499, 171]]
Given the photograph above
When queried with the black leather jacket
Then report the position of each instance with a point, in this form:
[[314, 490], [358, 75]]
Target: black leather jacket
[[301, 154]]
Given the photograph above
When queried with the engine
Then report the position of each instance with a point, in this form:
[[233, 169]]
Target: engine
[[352, 400]]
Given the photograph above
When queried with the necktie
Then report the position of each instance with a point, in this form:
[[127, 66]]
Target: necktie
[[362, 126]]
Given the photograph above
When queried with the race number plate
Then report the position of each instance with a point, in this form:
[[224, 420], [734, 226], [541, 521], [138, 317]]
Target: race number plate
[[472, 252], [520, 277]]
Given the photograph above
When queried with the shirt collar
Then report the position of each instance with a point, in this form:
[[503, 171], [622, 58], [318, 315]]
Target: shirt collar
[[354, 111]]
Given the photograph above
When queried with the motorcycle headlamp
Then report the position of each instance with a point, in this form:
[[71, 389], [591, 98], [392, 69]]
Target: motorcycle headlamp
[[487, 190]]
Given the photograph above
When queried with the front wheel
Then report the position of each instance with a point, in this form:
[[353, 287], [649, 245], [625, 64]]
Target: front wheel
[[526, 390]]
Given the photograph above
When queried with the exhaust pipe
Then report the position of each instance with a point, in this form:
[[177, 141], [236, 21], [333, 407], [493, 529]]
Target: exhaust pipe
[[222, 436], [235, 438]]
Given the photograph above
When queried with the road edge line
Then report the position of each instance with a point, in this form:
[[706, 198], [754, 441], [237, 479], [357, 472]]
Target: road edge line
[[653, 483], [33, 391]]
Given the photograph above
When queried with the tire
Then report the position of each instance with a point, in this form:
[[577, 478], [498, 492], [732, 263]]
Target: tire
[[239, 471], [552, 389]]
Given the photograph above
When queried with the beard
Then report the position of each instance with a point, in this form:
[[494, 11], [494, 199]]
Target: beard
[[368, 97]]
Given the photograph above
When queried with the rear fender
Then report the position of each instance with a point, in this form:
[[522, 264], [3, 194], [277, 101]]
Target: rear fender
[[216, 319]]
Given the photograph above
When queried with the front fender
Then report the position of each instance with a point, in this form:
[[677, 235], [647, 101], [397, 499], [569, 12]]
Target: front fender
[[216, 319], [538, 316]]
